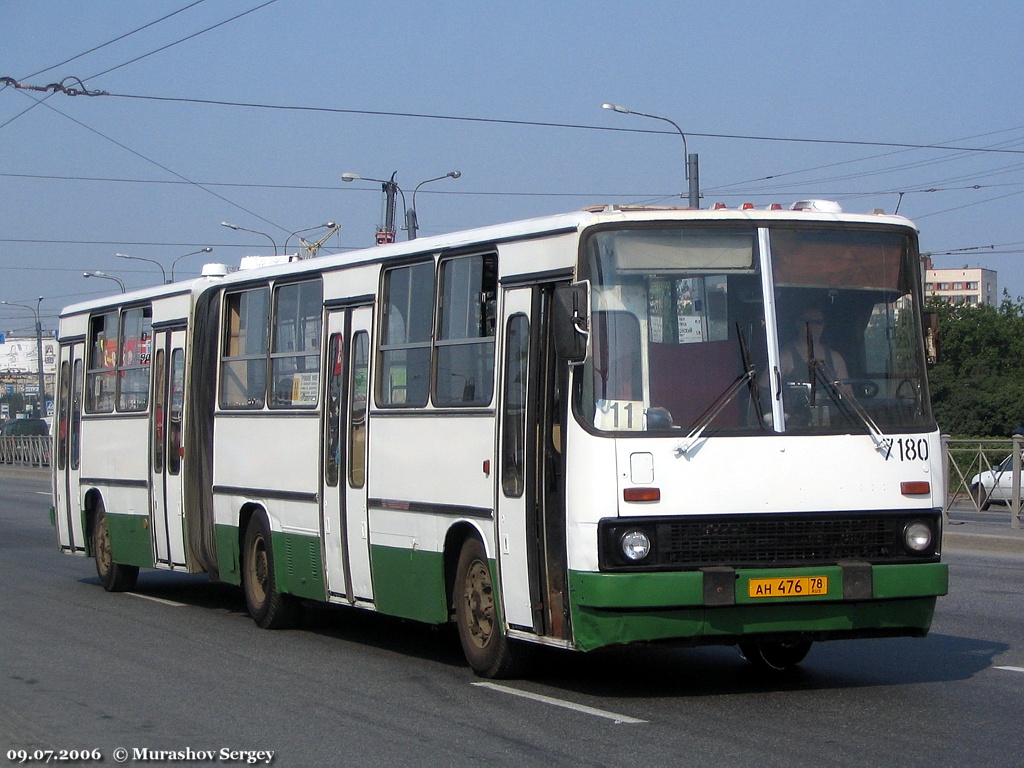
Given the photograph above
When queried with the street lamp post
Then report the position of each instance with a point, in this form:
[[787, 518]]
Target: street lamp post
[[254, 231], [41, 381], [385, 232], [105, 276], [163, 272], [411, 219], [325, 225], [692, 172], [207, 249]]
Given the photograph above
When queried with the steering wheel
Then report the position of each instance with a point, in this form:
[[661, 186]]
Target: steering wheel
[[908, 395], [863, 389]]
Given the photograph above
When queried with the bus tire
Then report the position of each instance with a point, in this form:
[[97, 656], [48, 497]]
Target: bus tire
[[775, 655], [489, 651], [268, 606], [114, 577]]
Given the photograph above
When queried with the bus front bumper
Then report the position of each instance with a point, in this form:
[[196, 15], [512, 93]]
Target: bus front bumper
[[722, 605]]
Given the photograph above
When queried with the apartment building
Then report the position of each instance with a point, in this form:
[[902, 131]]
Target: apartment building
[[962, 286]]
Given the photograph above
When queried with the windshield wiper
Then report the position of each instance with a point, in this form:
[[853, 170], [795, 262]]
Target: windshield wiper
[[748, 366], [748, 377], [709, 415], [849, 404]]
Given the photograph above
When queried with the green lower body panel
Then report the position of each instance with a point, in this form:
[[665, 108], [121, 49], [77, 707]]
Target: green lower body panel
[[229, 556], [611, 608], [131, 542], [298, 565], [409, 583]]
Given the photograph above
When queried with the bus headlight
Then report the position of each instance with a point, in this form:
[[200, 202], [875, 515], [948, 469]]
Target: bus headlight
[[917, 536], [636, 545]]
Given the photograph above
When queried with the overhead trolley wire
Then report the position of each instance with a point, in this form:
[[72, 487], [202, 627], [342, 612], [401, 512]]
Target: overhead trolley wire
[[116, 39]]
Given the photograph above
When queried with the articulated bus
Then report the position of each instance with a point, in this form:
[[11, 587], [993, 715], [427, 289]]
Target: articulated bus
[[620, 425]]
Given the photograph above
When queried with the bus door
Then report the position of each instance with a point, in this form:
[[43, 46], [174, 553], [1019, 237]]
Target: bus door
[[165, 450], [531, 492], [344, 521], [67, 446]]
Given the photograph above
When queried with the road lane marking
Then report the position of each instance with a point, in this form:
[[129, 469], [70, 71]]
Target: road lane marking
[[1012, 669], [157, 600], [562, 703]]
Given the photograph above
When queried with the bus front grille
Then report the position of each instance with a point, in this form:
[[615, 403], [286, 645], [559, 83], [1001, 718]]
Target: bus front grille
[[767, 540]]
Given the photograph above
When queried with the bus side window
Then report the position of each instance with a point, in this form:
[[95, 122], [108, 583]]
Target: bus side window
[[464, 369], [359, 370], [513, 435], [177, 400], [408, 299], [243, 375], [102, 363], [62, 415], [335, 377]]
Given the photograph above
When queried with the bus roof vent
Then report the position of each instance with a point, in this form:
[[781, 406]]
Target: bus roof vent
[[818, 206], [258, 262], [215, 270]]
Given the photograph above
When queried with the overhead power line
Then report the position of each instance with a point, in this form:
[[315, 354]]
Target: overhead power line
[[545, 124], [116, 39], [550, 124], [184, 39]]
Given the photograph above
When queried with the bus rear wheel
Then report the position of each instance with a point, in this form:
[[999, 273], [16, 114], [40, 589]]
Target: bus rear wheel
[[114, 577], [488, 649], [775, 655], [269, 607]]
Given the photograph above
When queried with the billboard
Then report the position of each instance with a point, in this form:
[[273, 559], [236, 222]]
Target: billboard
[[21, 356]]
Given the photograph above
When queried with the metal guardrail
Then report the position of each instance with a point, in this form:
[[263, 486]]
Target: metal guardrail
[[966, 459], [26, 451]]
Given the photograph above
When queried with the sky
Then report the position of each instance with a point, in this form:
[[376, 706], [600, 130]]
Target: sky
[[250, 111]]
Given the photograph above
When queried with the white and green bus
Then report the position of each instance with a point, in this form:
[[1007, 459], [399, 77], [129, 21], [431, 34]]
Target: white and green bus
[[614, 426]]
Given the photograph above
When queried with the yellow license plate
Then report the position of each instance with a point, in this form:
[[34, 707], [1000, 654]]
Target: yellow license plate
[[798, 586]]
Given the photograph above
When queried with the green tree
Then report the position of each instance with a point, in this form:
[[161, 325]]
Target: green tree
[[978, 384]]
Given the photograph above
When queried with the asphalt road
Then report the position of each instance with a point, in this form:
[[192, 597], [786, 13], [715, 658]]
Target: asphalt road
[[178, 666]]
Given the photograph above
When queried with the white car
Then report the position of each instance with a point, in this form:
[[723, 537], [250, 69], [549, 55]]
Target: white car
[[995, 485]]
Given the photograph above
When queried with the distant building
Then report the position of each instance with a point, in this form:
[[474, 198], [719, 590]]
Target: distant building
[[961, 286]]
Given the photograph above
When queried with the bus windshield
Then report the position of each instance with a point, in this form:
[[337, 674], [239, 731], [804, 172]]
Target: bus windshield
[[686, 338]]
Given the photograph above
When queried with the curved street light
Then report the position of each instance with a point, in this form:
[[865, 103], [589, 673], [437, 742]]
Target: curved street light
[[105, 276], [207, 249], [325, 225], [691, 160], [254, 231], [412, 222], [41, 382], [385, 232], [163, 272]]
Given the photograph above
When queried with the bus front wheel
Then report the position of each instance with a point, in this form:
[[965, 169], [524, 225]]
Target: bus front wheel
[[114, 577], [269, 607], [487, 648], [775, 655]]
